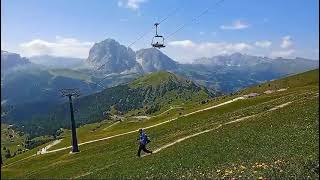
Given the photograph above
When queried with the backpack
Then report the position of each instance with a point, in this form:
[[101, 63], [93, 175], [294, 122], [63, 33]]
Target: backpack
[[146, 139]]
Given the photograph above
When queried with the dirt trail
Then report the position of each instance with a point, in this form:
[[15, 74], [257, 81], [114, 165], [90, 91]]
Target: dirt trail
[[44, 150], [280, 106], [96, 170], [130, 132], [171, 107], [111, 125], [148, 127], [148, 117], [209, 130], [182, 139], [170, 144], [18, 161], [218, 105]]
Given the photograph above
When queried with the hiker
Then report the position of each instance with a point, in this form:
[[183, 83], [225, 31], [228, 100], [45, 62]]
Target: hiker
[[143, 141]]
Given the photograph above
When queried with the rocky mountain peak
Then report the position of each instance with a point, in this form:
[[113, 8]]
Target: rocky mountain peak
[[152, 60], [111, 57], [10, 60]]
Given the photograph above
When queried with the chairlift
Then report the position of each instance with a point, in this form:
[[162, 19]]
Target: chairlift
[[157, 40]]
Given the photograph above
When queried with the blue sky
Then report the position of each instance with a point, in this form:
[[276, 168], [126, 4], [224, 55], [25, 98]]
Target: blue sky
[[273, 28]]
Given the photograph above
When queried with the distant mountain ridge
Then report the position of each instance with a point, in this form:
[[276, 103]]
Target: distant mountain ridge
[[235, 59], [105, 56], [244, 60], [111, 63], [11, 60], [230, 73], [56, 61]]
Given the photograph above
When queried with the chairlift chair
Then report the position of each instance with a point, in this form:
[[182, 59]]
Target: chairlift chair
[[157, 40]]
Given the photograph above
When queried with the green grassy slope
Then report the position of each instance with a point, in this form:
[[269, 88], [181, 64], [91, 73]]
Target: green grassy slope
[[295, 81], [19, 144], [40, 119], [139, 97], [71, 74], [269, 143], [10, 139], [157, 78]]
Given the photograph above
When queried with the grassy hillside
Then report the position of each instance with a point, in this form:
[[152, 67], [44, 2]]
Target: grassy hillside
[[146, 95], [69, 73], [12, 140], [17, 143], [295, 81], [252, 71], [269, 136], [157, 79]]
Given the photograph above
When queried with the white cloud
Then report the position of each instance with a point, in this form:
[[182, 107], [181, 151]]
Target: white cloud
[[287, 50], [131, 4], [263, 44], [286, 42], [284, 53], [201, 33], [236, 25], [183, 43], [186, 50], [67, 47]]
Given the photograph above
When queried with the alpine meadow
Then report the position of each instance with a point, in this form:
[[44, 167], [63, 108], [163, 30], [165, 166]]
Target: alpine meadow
[[150, 89]]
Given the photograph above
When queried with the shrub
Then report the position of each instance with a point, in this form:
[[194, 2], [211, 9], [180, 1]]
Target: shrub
[[7, 154]]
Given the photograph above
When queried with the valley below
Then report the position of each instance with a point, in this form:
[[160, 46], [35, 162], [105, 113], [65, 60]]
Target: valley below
[[261, 132]]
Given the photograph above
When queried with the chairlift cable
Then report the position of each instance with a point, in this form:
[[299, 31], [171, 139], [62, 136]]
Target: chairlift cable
[[143, 35], [148, 32], [194, 19], [170, 14], [170, 35]]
